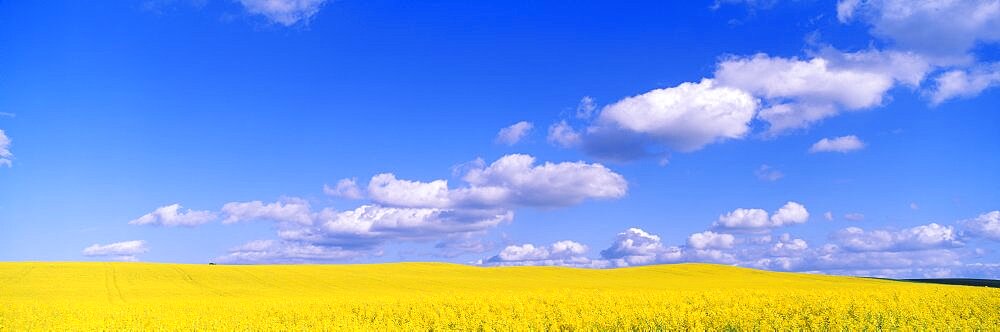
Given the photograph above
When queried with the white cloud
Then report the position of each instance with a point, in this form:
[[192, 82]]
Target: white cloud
[[944, 29], [586, 108], [289, 210], [568, 248], [757, 219], [637, 247], [985, 225], [512, 180], [386, 189], [842, 144], [919, 251], [854, 216], [171, 216], [930, 236], [562, 135], [562, 253], [374, 223], [914, 206], [346, 188], [768, 173], [786, 93], [789, 214], [744, 218], [514, 133], [961, 83], [828, 215], [125, 251], [404, 210], [788, 246], [525, 252], [634, 244], [271, 251], [284, 12], [802, 92], [5, 154], [711, 240], [517, 180], [684, 118]]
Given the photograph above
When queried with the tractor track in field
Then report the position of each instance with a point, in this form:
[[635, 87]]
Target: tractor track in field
[[114, 293], [107, 285], [190, 280], [114, 282]]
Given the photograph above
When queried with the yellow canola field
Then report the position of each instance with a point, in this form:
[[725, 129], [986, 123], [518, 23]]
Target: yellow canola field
[[436, 296]]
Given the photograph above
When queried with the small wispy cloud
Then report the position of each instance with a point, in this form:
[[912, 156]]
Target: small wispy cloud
[[514, 133], [842, 144], [122, 251], [284, 12], [854, 216], [768, 173]]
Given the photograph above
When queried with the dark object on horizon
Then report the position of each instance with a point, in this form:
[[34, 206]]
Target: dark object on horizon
[[210, 263], [960, 281]]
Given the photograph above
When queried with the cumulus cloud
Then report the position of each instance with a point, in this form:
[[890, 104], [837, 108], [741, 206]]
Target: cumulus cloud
[[329, 235], [380, 223], [962, 83], [517, 180], [711, 240], [514, 133], [924, 250], [291, 210], [561, 134], [685, 118], [943, 29], [635, 246], [801, 92], [985, 225], [828, 215], [638, 247], [921, 251], [407, 210], [842, 144], [562, 253], [284, 12], [930, 236], [387, 189], [346, 188], [123, 251], [513, 180], [757, 219], [786, 246], [785, 93], [789, 214], [172, 215]]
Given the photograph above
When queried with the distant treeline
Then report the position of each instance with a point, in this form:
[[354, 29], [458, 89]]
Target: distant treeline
[[960, 281]]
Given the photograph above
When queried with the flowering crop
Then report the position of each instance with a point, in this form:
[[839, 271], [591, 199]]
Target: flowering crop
[[426, 296]]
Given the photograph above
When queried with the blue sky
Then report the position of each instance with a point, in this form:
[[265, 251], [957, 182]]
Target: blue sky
[[837, 137]]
